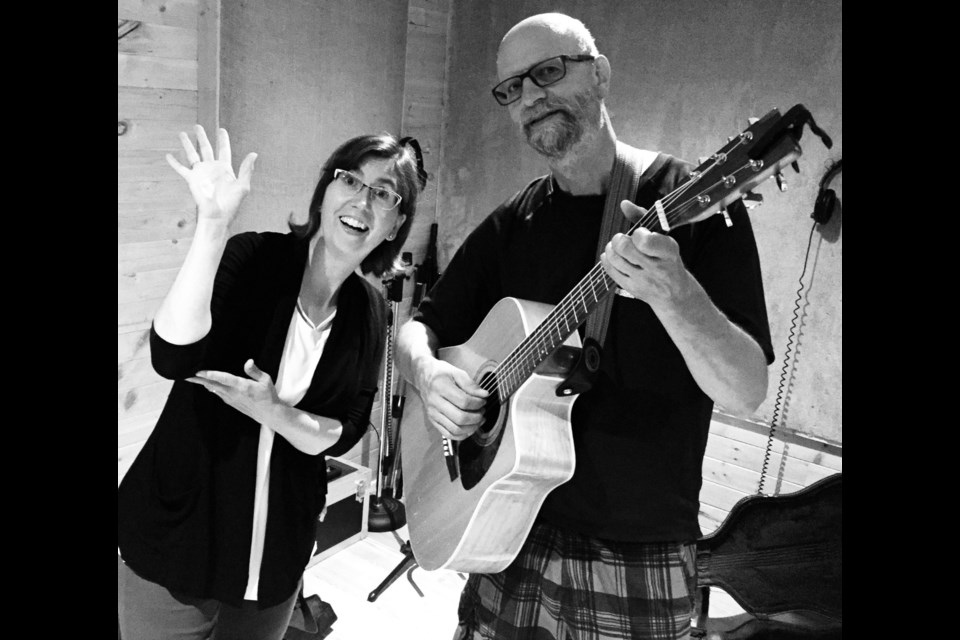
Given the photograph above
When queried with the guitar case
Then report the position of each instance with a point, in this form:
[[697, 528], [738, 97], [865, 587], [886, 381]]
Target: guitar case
[[781, 559]]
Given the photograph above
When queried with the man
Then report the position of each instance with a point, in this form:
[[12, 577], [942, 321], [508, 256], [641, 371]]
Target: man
[[612, 552]]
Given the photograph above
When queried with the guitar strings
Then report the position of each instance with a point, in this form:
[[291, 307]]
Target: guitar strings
[[596, 276], [536, 345]]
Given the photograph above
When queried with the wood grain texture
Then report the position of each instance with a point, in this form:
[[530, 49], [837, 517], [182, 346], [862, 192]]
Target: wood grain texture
[[156, 98], [133, 429], [132, 344], [154, 135], [147, 103], [734, 460], [181, 13], [138, 257], [156, 73], [148, 165], [140, 400], [160, 41], [137, 372], [154, 226]]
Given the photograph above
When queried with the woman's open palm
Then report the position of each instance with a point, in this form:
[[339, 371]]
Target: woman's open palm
[[217, 191]]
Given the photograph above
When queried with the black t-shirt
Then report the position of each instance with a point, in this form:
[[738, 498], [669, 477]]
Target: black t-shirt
[[641, 431]]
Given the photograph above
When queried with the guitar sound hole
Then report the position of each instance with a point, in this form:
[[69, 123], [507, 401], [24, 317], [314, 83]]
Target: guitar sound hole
[[477, 452]]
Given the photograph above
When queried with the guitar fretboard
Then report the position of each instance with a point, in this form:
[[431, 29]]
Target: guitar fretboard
[[562, 321]]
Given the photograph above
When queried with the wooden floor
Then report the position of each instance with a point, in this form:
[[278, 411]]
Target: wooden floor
[[419, 605]]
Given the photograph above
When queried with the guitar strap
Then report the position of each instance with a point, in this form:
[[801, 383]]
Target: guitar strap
[[628, 167]]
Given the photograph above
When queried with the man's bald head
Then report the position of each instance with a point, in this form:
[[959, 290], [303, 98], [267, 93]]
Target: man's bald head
[[563, 110], [544, 35]]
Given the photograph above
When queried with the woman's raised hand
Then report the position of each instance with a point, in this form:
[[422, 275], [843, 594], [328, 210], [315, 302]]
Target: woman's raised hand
[[217, 191]]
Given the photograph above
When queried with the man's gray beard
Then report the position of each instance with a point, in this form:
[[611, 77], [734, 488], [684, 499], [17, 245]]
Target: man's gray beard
[[556, 138]]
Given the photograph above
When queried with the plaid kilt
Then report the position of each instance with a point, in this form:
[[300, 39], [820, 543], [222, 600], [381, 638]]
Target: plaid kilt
[[566, 586]]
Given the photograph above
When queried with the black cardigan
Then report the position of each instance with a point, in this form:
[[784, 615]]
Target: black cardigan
[[185, 506]]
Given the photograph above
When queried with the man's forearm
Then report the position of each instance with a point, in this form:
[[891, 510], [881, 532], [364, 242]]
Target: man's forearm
[[726, 362], [415, 342]]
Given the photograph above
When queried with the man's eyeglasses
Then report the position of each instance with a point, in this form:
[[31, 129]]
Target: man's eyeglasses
[[543, 74], [381, 197]]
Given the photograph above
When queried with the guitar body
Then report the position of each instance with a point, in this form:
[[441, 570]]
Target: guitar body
[[478, 522]]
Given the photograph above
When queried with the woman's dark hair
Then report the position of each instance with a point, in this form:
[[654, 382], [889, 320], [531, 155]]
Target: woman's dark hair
[[350, 155]]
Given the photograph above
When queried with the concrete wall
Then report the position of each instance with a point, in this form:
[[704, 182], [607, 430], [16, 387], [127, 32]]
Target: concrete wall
[[298, 78], [686, 74]]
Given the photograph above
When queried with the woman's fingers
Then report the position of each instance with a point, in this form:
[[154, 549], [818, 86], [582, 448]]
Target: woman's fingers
[[209, 385], [223, 147], [206, 151], [255, 373], [179, 168], [246, 169], [188, 150]]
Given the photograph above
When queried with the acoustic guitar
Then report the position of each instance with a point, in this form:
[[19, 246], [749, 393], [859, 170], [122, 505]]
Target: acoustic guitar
[[475, 518]]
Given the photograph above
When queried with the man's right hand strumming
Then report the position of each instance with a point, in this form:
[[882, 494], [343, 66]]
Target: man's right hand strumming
[[452, 402]]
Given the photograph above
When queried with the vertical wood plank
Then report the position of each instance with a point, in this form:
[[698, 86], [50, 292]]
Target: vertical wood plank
[[157, 73], [208, 61]]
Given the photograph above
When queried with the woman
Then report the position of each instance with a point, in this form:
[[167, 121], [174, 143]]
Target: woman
[[274, 342]]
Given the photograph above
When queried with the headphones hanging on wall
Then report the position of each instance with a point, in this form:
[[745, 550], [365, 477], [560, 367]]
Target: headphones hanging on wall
[[826, 197]]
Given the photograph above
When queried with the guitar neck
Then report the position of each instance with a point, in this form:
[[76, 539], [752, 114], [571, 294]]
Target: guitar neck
[[561, 322], [754, 155]]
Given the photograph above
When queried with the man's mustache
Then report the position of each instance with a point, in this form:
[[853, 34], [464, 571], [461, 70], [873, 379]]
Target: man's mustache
[[535, 112]]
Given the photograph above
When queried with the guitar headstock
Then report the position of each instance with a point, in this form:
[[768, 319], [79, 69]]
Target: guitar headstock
[[758, 152]]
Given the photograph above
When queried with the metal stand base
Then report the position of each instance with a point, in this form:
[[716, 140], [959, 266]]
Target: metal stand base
[[386, 514], [400, 568]]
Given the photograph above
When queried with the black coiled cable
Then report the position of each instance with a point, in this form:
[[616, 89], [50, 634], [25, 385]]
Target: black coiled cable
[[788, 355]]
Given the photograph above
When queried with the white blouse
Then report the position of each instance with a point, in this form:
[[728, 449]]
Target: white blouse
[[301, 353]]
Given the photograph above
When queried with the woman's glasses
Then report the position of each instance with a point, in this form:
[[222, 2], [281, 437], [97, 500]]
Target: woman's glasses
[[381, 197]]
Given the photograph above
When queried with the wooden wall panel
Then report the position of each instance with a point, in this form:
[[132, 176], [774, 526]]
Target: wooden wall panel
[[177, 13], [155, 225], [134, 429], [141, 400], [131, 344], [160, 41], [734, 461], [150, 72], [156, 98], [176, 105]]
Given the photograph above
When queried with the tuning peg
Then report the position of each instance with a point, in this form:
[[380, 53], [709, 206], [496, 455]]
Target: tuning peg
[[781, 181], [701, 160], [726, 217], [752, 121], [752, 200]]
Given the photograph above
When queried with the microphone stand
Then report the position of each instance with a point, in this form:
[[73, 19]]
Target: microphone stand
[[387, 513], [396, 478]]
